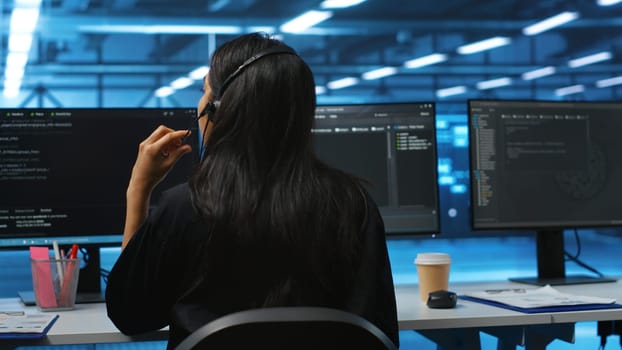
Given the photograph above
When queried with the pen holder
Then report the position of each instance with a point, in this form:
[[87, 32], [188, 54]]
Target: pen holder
[[55, 283]]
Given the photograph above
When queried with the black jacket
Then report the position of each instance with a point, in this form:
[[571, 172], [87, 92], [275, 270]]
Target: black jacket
[[158, 281]]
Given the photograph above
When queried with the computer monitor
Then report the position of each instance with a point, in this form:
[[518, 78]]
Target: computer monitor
[[546, 166], [64, 173], [392, 147]]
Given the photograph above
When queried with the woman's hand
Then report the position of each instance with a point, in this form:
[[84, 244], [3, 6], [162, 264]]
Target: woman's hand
[[157, 154]]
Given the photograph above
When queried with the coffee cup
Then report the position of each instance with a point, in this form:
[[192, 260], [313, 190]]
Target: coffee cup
[[433, 272]]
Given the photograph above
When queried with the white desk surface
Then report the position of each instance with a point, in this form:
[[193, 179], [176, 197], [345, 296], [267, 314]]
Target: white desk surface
[[414, 314], [86, 324], [89, 324]]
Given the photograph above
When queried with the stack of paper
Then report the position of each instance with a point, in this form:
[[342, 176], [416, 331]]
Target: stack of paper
[[541, 299], [20, 324]]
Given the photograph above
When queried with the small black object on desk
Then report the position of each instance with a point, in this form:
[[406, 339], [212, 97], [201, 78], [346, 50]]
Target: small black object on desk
[[442, 299]]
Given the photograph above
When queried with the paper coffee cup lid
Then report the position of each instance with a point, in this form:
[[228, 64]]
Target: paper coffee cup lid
[[432, 258]]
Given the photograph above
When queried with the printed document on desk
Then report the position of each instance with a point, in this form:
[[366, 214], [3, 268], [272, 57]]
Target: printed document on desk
[[27, 325], [543, 299]]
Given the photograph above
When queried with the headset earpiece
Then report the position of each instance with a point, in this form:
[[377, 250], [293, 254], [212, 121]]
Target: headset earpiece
[[210, 109]]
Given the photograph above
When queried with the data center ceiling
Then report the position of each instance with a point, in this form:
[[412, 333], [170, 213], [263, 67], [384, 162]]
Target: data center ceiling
[[119, 52]]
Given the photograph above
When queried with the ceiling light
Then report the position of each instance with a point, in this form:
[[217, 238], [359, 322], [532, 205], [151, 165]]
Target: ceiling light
[[14, 73], [379, 73], [11, 88], [12, 82], [10, 92], [456, 90], [159, 29], [573, 89], [199, 73], [607, 2], [20, 42], [164, 91], [181, 83], [16, 59], [306, 20], [24, 20], [550, 23], [217, 5], [584, 61], [27, 3], [342, 83], [425, 60], [609, 82], [494, 83], [483, 45], [538, 73], [339, 4]]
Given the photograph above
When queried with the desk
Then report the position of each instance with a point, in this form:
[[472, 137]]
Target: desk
[[87, 324], [459, 328], [450, 328]]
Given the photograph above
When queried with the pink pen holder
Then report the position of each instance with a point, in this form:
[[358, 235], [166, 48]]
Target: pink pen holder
[[55, 283]]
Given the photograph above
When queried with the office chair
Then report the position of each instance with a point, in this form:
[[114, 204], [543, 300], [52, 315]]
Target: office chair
[[289, 328]]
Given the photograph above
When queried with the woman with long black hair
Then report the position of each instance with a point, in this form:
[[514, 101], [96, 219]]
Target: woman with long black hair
[[262, 222]]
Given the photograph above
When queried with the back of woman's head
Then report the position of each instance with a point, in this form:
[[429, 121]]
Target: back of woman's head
[[261, 127], [269, 103], [260, 187]]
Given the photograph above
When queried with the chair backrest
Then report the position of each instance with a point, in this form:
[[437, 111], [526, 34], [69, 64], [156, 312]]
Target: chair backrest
[[288, 328]]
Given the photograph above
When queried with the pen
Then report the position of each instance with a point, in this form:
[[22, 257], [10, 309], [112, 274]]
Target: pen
[[12, 313], [513, 290], [59, 264]]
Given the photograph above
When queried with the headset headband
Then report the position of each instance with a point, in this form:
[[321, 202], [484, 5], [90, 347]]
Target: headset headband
[[267, 52], [211, 106]]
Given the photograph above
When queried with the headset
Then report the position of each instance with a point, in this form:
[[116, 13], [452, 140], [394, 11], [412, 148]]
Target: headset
[[212, 106]]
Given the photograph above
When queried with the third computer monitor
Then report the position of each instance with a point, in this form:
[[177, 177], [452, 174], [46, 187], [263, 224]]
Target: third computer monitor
[[546, 166], [392, 147]]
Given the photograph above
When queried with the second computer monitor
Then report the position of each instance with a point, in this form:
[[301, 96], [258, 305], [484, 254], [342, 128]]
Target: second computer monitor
[[392, 147]]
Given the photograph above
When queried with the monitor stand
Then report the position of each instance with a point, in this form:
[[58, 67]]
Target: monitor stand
[[551, 263], [89, 281]]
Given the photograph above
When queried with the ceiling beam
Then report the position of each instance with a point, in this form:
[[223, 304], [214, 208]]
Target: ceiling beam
[[75, 68], [55, 23]]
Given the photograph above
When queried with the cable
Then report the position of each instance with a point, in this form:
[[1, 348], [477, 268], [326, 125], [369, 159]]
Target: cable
[[85, 255], [578, 240], [575, 258], [104, 275]]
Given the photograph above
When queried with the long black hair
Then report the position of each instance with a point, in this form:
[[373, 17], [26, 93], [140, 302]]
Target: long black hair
[[269, 202]]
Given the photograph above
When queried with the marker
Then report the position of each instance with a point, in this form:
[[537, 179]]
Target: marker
[[74, 252]]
